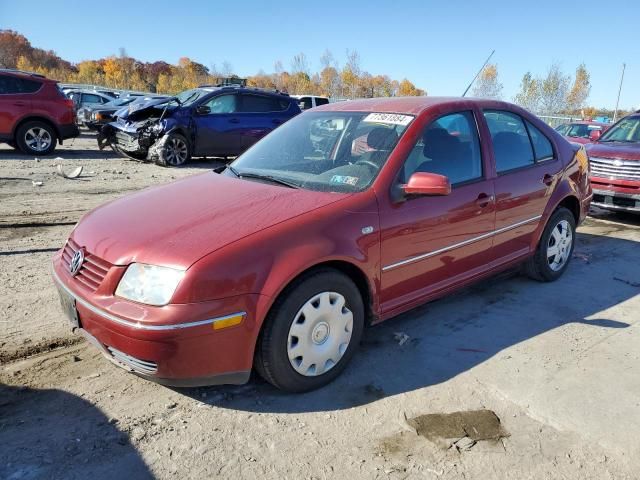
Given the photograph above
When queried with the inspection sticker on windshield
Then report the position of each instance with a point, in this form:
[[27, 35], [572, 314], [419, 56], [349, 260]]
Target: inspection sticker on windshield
[[389, 118], [345, 180]]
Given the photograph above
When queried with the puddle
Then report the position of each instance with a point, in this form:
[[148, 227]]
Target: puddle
[[475, 424]]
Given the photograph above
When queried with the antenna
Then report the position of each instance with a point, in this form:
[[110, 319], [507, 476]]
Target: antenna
[[481, 68], [615, 113]]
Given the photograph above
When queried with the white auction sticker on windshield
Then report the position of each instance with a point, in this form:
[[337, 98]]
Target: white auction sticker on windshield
[[389, 118]]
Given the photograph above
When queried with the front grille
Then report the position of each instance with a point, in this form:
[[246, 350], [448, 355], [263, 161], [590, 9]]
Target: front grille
[[141, 366], [615, 169], [93, 270], [127, 142]]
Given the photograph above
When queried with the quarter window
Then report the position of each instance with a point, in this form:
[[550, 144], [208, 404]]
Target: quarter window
[[91, 98], [260, 104], [541, 144], [448, 146], [511, 146]]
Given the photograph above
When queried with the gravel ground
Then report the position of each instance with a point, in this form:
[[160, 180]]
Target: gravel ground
[[542, 379]]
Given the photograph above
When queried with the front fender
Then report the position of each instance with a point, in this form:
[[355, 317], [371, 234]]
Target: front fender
[[266, 262]]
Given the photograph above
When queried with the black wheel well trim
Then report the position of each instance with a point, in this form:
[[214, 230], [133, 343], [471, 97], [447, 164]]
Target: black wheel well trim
[[36, 118], [571, 203], [180, 130], [351, 271]]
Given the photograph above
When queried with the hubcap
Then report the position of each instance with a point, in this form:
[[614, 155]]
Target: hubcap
[[320, 334], [37, 139], [559, 246], [176, 151]]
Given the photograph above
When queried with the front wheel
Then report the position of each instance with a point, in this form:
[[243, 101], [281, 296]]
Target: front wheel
[[174, 152], [311, 332], [555, 248]]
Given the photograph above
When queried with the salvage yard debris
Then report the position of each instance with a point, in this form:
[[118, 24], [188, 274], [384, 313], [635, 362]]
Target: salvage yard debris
[[75, 173]]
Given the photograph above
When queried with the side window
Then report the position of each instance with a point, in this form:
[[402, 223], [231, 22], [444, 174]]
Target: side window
[[563, 129], [260, 104], [90, 98], [321, 101], [222, 104], [8, 85], [511, 145], [305, 103], [28, 86], [448, 146], [541, 145]]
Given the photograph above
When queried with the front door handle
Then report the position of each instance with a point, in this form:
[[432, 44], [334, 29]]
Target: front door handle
[[547, 180], [19, 104], [234, 120], [483, 200], [276, 121]]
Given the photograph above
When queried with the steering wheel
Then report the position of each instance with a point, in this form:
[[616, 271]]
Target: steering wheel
[[368, 163]]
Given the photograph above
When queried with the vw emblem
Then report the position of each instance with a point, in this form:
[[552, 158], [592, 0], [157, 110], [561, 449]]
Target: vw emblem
[[76, 262], [618, 163]]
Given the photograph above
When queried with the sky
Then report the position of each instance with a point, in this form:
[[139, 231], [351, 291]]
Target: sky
[[438, 45]]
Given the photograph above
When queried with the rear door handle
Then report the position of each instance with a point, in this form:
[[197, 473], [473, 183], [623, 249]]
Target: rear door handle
[[234, 120], [276, 121], [483, 200], [19, 104], [547, 179]]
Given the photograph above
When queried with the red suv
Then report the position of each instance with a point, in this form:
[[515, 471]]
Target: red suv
[[279, 261], [34, 113], [615, 166]]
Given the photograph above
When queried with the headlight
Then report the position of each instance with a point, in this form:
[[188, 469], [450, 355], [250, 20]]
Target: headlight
[[149, 284]]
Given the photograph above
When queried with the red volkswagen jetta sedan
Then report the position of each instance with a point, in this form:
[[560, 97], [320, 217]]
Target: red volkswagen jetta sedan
[[280, 260]]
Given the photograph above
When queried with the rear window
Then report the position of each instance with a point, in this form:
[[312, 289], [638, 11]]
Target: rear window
[[14, 85], [541, 144], [321, 101]]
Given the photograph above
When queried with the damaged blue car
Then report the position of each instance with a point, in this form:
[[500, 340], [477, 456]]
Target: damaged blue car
[[208, 121]]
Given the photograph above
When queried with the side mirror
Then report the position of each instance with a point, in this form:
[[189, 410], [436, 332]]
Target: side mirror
[[423, 183], [203, 110], [595, 135]]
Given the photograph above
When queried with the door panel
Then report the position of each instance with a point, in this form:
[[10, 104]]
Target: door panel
[[14, 105], [220, 131], [452, 233]]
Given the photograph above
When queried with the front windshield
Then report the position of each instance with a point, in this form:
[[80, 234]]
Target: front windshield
[[326, 151], [581, 130], [626, 130], [189, 96], [562, 129]]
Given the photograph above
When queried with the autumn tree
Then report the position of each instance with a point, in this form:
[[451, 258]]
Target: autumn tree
[[408, 89], [580, 90], [487, 84]]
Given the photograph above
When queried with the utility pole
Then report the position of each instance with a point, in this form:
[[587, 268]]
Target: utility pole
[[481, 68], [615, 113]]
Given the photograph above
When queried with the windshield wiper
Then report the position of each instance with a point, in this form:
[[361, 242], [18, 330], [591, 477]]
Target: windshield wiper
[[233, 170], [259, 176]]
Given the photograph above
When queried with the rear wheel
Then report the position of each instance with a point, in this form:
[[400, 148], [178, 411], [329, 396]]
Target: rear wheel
[[36, 138], [174, 152], [311, 332], [555, 248]]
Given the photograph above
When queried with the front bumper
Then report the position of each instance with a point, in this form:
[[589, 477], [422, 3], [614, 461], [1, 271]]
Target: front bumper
[[611, 200], [173, 345]]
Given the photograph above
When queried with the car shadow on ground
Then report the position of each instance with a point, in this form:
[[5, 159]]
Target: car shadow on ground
[[55, 434], [438, 341]]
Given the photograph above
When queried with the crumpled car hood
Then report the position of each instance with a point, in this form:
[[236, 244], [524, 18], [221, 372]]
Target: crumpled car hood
[[179, 223], [138, 109]]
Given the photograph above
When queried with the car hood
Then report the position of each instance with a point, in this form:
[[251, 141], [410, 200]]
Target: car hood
[[619, 150], [179, 223], [141, 107]]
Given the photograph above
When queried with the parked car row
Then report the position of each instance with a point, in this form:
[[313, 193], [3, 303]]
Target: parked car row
[[583, 131]]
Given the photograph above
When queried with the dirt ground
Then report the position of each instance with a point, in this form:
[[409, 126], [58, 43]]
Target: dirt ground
[[507, 379]]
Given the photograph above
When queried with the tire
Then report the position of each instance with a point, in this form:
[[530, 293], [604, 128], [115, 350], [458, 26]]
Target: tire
[[559, 235], [315, 337], [36, 138], [175, 151]]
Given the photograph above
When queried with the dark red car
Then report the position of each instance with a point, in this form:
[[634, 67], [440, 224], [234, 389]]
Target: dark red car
[[583, 131], [280, 261], [614, 158], [34, 113]]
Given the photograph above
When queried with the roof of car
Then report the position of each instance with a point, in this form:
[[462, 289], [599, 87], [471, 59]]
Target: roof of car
[[588, 122], [409, 105], [24, 74]]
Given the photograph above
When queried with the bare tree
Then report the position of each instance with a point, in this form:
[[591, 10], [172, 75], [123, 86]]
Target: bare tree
[[327, 60], [300, 64], [553, 91], [529, 95], [227, 68]]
